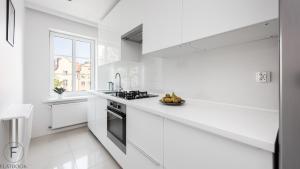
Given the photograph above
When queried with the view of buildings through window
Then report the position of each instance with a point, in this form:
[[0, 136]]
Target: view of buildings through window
[[72, 63]]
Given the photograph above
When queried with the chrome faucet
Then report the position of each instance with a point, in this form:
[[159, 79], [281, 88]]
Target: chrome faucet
[[120, 86]]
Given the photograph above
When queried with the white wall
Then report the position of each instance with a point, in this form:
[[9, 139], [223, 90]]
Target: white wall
[[11, 65], [37, 69], [224, 75]]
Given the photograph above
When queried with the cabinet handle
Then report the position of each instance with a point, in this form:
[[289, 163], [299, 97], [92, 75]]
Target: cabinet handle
[[144, 153], [115, 114]]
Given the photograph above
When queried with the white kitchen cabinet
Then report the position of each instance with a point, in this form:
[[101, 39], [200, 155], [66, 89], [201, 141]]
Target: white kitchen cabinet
[[96, 116], [125, 16], [138, 159], [144, 139], [186, 147], [162, 24], [91, 114], [204, 18], [109, 45], [101, 119]]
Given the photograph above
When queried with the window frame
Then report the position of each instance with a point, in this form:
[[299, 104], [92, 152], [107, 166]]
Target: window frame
[[74, 38]]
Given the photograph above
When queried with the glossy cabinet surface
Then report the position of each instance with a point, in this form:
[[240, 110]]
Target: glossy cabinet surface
[[96, 116], [162, 24], [204, 18], [91, 114], [109, 45], [137, 159], [186, 147], [144, 137], [101, 118], [169, 23]]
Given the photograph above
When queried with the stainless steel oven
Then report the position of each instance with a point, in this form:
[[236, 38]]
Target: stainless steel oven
[[116, 124]]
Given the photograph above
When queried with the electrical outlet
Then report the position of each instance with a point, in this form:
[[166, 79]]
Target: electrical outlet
[[263, 77]]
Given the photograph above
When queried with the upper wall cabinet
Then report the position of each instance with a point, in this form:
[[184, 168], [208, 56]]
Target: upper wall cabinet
[[204, 18], [109, 45], [168, 23], [162, 24], [126, 15]]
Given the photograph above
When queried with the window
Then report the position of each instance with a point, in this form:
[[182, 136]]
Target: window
[[72, 62], [65, 83]]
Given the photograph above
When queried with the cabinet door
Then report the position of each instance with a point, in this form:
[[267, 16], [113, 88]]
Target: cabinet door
[[101, 119], [109, 45], [203, 18], [137, 159], [162, 24], [91, 116], [186, 147], [145, 131]]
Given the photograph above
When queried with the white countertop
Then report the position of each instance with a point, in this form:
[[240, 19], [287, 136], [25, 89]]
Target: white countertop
[[67, 99], [251, 126], [17, 111]]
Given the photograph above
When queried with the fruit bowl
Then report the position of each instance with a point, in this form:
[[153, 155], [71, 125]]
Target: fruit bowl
[[173, 104], [172, 100]]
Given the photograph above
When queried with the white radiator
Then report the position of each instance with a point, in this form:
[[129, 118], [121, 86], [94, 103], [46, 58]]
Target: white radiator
[[68, 114]]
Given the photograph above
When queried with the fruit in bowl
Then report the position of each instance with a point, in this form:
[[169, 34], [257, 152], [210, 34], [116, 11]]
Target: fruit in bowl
[[172, 99]]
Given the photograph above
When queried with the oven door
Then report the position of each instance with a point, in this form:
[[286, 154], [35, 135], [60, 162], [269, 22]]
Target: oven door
[[116, 127]]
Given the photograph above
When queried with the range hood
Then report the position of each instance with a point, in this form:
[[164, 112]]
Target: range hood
[[135, 35]]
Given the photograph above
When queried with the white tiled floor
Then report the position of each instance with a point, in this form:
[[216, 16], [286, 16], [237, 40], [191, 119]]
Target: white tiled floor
[[75, 149]]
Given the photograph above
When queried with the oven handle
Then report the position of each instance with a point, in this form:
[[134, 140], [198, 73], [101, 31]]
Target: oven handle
[[115, 114]]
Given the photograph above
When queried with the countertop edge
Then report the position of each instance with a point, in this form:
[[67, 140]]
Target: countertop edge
[[17, 111]]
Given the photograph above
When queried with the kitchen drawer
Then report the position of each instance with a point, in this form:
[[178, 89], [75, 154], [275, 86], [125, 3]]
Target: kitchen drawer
[[138, 159], [146, 131]]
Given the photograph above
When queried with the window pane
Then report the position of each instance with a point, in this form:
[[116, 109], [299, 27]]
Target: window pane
[[83, 50], [62, 46], [83, 66], [62, 62], [63, 72]]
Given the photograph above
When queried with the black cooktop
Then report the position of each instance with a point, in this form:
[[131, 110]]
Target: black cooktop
[[130, 95]]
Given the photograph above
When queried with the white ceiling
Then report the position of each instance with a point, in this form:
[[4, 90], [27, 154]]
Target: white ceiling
[[90, 11]]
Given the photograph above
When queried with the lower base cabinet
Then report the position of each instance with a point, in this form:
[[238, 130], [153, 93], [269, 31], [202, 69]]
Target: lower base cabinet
[[101, 119], [186, 147], [154, 142], [138, 159], [91, 114], [144, 140]]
